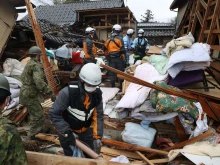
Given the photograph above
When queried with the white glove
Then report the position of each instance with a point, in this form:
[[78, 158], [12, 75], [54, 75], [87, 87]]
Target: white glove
[[97, 145]]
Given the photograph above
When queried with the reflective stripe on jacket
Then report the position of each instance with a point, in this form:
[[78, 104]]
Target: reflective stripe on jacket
[[89, 48], [68, 111]]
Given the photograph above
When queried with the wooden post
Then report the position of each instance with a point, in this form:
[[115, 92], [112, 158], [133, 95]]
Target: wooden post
[[106, 19], [129, 19], [144, 158], [40, 43]]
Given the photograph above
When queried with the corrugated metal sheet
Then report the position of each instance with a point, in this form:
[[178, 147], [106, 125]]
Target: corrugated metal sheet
[[7, 21]]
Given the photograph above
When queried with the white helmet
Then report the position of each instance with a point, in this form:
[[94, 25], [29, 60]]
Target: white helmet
[[140, 31], [130, 31], [89, 30], [116, 28], [91, 74]]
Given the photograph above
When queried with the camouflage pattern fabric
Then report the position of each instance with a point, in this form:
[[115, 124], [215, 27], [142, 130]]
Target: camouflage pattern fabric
[[33, 85], [12, 151]]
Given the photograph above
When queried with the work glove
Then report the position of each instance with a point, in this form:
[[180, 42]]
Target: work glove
[[53, 97], [69, 138], [97, 145]]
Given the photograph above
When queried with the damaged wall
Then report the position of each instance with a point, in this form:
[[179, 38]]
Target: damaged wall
[[8, 18]]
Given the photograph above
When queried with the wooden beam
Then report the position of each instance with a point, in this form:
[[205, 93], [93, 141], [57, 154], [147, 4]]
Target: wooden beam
[[204, 4], [40, 43], [37, 158], [187, 142], [117, 152], [199, 18], [106, 19], [215, 14], [180, 130], [216, 31], [144, 158], [206, 31], [129, 18], [214, 47], [209, 17], [132, 147], [213, 3], [204, 23], [97, 15]]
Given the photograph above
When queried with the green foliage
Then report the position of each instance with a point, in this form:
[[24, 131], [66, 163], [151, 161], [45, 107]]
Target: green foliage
[[147, 16]]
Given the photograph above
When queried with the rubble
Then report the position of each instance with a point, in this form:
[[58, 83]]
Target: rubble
[[174, 127]]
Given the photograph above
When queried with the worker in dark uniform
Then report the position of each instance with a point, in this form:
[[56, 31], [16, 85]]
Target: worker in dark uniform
[[78, 107], [89, 47], [115, 52]]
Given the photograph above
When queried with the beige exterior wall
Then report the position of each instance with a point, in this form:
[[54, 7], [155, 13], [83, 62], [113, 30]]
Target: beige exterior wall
[[180, 14], [102, 34], [7, 22]]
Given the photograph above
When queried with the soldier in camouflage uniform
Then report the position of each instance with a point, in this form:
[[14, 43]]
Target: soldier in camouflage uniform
[[12, 151], [31, 90]]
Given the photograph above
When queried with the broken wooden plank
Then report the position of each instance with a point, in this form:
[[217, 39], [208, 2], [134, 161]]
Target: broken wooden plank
[[79, 144], [48, 138], [145, 159], [180, 129], [37, 158], [132, 147], [117, 152], [21, 116], [184, 143]]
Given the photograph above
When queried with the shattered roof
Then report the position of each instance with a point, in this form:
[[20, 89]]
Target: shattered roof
[[66, 13], [157, 29]]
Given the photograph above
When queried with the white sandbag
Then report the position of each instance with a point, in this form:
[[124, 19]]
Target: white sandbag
[[12, 67], [135, 134]]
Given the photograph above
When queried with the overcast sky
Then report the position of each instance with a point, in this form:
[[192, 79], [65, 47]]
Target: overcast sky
[[160, 8]]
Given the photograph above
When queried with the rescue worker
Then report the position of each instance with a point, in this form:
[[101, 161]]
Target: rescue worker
[[140, 45], [12, 151], [127, 44], [32, 89], [115, 53], [78, 107], [89, 47]]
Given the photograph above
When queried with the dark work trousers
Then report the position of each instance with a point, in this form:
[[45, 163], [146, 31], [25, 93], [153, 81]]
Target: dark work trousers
[[86, 137], [140, 58], [116, 63]]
